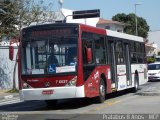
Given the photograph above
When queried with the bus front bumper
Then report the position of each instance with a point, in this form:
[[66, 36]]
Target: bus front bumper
[[52, 93]]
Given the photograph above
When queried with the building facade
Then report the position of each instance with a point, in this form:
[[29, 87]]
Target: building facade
[[111, 25], [154, 39]]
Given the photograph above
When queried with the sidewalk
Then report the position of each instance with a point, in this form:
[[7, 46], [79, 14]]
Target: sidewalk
[[4, 95], [149, 89]]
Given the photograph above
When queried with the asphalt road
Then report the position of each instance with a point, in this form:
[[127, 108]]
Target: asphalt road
[[123, 102]]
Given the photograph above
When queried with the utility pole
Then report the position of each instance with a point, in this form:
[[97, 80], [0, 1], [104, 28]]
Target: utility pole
[[136, 17]]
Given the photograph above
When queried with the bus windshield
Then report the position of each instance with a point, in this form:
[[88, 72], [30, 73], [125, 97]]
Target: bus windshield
[[49, 54]]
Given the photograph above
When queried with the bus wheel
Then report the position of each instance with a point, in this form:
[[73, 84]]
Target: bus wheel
[[136, 83], [51, 102], [102, 92]]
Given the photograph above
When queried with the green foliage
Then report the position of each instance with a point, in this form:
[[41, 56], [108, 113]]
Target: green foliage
[[31, 11], [151, 59], [7, 19], [21, 13], [158, 53], [14, 90], [130, 28]]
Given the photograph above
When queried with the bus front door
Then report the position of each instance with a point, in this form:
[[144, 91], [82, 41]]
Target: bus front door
[[128, 64], [112, 62]]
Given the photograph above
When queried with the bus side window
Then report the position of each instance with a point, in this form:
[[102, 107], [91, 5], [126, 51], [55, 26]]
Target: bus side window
[[100, 50], [86, 44], [119, 52], [133, 52]]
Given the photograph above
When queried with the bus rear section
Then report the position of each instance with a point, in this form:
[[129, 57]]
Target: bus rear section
[[57, 62]]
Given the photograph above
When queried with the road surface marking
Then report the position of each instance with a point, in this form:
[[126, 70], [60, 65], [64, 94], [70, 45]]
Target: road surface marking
[[107, 104]]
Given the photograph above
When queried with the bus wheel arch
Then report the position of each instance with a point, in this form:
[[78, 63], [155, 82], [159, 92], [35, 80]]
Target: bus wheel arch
[[105, 82]]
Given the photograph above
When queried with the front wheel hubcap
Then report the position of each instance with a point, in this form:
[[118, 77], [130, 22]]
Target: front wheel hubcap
[[102, 89]]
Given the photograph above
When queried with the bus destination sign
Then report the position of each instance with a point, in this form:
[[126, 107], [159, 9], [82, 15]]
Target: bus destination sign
[[51, 32]]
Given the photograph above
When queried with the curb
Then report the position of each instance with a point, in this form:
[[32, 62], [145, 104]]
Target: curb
[[8, 97], [148, 93]]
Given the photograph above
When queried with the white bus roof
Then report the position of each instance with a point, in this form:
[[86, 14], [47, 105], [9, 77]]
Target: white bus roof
[[124, 36]]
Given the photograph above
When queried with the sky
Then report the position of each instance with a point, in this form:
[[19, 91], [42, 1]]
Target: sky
[[149, 9]]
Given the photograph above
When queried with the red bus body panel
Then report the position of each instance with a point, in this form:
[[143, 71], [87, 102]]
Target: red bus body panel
[[85, 28], [92, 83], [80, 79], [53, 81], [92, 29]]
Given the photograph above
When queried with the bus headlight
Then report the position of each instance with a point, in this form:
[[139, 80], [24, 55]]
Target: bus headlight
[[72, 82]]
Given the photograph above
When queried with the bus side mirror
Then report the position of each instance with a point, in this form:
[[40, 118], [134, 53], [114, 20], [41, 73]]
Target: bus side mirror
[[89, 55], [11, 52]]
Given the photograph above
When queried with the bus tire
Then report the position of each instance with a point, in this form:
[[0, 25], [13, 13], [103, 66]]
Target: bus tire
[[51, 102], [136, 83], [102, 91]]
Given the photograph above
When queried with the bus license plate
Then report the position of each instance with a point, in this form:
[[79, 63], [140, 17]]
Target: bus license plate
[[47, 92]]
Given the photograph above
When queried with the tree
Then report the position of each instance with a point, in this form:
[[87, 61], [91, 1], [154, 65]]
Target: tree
[[7, 19], [32, 12], [29, 12], [130, 28], [21, 13], [151, 60]]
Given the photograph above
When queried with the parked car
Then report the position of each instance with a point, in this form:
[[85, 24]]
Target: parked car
[[154, 71]]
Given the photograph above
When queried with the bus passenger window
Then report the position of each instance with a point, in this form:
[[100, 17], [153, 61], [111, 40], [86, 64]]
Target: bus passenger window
[[133, 58], [119, 52], [86, 44], [100, 50]]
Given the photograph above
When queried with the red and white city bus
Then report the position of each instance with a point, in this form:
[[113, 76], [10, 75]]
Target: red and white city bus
[[106, 62]]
